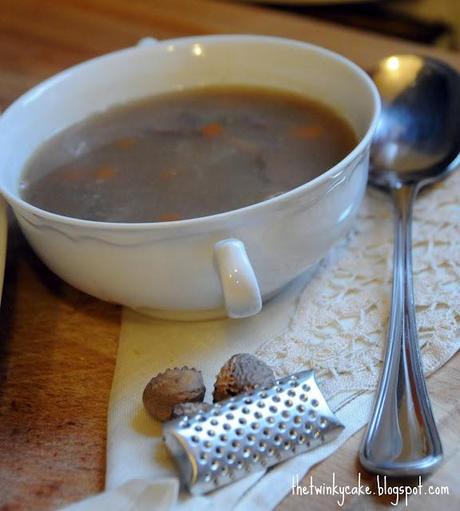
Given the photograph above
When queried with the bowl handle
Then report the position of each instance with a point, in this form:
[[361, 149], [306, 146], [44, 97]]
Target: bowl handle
[[239, 283], [147, 41]]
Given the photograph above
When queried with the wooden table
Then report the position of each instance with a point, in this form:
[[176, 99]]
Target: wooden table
[[58, 346]]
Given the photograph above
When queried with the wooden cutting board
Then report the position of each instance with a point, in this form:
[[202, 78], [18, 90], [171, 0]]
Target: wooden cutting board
[[57, 345]]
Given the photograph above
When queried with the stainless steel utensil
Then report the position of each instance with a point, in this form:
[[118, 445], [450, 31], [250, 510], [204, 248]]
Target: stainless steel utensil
[[250, 432], [416, 142]]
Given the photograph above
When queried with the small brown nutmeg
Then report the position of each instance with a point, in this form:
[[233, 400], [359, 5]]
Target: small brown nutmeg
[[241, 373], [190, 409], [174, 386]]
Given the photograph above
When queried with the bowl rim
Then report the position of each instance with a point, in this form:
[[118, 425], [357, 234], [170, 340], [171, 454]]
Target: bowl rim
[[332, 173]]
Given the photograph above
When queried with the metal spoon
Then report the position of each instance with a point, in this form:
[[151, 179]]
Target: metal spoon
[[416, 143]]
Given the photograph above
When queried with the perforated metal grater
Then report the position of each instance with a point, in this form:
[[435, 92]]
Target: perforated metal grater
[[250, 432]]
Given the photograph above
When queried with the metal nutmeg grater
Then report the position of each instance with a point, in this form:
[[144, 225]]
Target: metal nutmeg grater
[[250, 432]]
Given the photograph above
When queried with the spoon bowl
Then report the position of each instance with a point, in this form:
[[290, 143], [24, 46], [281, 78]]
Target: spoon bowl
[[418, 134], [417, 142]]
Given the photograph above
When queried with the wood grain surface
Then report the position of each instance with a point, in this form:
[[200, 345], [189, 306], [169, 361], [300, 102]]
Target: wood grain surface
[[57, 345]]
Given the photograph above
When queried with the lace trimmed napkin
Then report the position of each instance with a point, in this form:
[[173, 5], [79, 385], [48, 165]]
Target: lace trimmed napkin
[[338, 329], [340, 324]]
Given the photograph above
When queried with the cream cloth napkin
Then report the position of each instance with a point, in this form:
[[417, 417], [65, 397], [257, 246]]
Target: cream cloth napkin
[[135, 449], [335, 325]]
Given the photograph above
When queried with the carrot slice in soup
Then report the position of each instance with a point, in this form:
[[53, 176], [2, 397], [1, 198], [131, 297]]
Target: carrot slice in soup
[[212, 129], [104, 172], [125, 143], [307, 132], [169, 217], [168, 174], [73, 175]]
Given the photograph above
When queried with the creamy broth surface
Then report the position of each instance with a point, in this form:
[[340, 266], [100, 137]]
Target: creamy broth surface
[[185, 154]]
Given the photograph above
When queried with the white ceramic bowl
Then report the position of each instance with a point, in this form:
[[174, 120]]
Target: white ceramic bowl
[[222, 264]]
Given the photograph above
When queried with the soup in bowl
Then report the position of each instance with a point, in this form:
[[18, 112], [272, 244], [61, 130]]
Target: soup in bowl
[[190, 178]]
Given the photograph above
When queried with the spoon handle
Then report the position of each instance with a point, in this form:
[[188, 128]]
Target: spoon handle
[[402, 438]]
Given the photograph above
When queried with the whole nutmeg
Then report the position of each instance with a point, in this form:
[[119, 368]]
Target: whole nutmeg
[[241, 373], [190, 409], [174, 386]]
